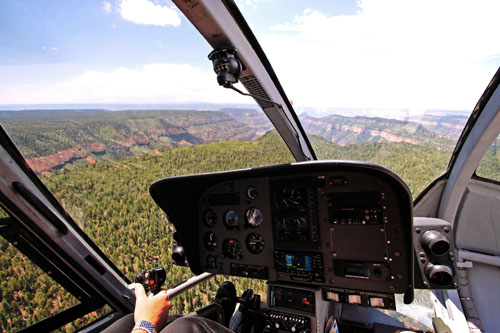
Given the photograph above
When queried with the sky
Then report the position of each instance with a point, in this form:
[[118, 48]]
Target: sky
[[396, 54]]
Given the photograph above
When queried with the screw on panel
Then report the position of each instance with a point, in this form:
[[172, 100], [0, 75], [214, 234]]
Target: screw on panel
[[397, 253], [417, 230], [446, 229]]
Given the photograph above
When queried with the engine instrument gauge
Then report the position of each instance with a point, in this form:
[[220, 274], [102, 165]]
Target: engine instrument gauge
[[231, 248], [252, 192], [210, 240], [255, 243], [211, 261], [254, 217], [210, 217], [291, 200], [231, 219]]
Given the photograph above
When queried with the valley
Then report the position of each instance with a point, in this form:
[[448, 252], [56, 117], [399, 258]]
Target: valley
[[52, 139]]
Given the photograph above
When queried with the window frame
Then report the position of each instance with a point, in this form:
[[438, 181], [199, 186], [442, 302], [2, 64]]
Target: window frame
[[38, 226]]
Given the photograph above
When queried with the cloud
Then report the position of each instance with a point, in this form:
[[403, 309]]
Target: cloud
[[147, 13], [152, 83], [390, 54], [50, 48], [106, 7]]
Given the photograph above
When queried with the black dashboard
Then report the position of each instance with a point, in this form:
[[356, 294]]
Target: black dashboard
[[338, 226]]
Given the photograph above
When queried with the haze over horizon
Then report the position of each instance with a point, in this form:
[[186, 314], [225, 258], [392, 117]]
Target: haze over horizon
[[356, 54]]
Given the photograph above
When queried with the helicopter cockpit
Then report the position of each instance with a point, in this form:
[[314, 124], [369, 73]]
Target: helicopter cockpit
[[319, 233], [252, 193]]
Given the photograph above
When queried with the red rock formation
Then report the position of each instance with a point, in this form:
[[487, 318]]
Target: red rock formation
[[184, 143], [46, 163], [91, 160], [49, 162], [141, 140], [96, 147], [127, 143]]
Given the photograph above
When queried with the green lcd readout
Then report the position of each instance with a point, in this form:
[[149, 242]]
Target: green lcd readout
[[357, 271]]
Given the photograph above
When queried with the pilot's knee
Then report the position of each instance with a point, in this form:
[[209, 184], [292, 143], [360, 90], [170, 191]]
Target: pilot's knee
[[184, 324]]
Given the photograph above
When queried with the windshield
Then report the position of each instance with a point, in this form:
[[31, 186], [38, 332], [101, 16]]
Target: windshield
[[390, 82], [104, 97]]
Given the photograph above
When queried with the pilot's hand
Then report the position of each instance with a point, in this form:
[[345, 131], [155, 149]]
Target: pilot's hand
[[153, 309]]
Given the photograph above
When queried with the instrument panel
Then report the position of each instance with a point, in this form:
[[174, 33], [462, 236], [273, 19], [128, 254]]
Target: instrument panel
[[331, 224]]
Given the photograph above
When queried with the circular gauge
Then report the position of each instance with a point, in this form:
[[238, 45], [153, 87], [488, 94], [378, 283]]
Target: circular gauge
[[210, 217], [299, 221], [255, 243], [231, 219], [232, 248], [211, 261], [291, 200], [254, 217], [283, 221], [252, 192], [210, 240]]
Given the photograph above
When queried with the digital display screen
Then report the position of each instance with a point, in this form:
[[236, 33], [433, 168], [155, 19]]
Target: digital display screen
[[357, 271], [355, 208], [355, 200], [301, 263]]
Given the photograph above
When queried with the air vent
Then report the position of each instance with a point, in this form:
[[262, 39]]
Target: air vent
[[253, 86]]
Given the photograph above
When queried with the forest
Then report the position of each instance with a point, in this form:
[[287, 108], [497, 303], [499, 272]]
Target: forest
[[110, 201]]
